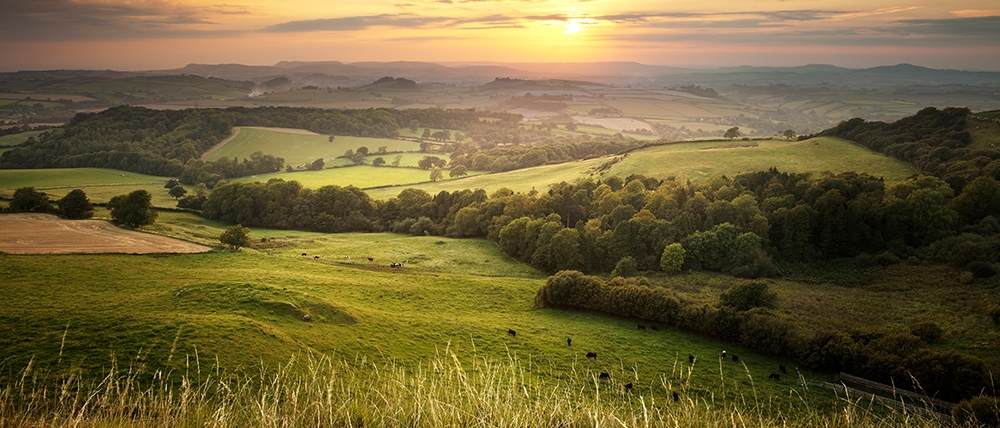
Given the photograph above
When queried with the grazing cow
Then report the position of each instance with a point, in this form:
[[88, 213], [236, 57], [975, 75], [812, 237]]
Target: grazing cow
[[511, 332], [569, 341], [604, 375], [316, 257], [304, 254], [736, 358], [723, 355], [641, 327], [774, 376], [676, 397], [782, 368], [628, 387], [347, 257], [691, 358], [371, 259], [592, 355]]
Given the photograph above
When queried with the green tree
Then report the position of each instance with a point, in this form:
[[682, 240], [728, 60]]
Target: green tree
[[436, 174], [458, 171], [317, 165], [426, 134], [673, 258], [571, 126], [133, 210], [414, 125], [363, 150], [732, 133], [788, 134], [27, 199], [395, 160], [235, 237], [171, 183], [75, 205], [177, 192], [378, 161], [383, 149]]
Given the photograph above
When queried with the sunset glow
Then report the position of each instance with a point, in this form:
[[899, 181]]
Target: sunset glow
[[149, 34]]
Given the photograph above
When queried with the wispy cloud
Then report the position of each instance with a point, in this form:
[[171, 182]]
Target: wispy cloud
[[354, 23]]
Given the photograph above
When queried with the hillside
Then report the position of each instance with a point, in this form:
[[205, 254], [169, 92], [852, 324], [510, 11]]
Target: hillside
[[299, 147]]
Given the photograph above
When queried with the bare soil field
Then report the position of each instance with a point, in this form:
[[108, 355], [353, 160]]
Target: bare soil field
[[48, 234]]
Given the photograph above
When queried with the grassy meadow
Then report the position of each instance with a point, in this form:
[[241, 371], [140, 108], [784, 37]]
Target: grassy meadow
[[299, 147], [426, 344], [697, 161], [361, 176]]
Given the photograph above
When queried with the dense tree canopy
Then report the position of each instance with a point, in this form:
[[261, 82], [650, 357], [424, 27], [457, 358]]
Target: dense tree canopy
[[75, 205], [133, 210]]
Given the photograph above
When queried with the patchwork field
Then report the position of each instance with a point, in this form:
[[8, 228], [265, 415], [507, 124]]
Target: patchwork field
[[48, 234], [299, 147]]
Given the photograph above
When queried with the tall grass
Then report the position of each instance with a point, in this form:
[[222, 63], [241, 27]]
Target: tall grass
[[327, 391]]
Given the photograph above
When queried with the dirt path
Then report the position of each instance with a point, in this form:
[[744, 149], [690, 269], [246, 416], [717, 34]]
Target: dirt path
[[48, 234]]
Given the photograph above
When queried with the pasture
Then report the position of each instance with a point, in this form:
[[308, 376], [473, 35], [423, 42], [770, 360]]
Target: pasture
[[238, 310], [299, 147], [361, 176], [71, 177], [697, 161]]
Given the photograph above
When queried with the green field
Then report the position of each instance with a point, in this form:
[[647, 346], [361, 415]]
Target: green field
[[71, 177], [361, 176], [15, 139], [299, 147], [698, 161]]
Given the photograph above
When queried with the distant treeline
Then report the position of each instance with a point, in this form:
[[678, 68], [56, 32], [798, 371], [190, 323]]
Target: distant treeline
[[743, 316], [169, 143], [935, 141]]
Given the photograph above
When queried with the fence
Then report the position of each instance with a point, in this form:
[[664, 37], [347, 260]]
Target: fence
[[895, 391]]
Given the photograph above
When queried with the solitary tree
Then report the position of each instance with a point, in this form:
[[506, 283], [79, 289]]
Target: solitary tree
[[75, 205], [317, 165], [171, 183], [133, 210], [626, 267], [437, 174], [177, 192], [414, 125], [330, 139], [426, 134], [395, 160], [732, 133], [458, 171], [363, 150], [235, 237], [789, 134], [378, 161], [383, 149]]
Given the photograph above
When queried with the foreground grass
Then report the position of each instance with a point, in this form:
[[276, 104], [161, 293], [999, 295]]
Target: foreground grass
[[440, 391]]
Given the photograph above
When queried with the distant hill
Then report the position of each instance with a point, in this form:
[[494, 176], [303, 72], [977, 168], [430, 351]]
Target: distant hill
[[391, 83], [882, 76]]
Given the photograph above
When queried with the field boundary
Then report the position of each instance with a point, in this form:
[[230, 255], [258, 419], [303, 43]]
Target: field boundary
[[236, 131], [885, 401], [893, 390]]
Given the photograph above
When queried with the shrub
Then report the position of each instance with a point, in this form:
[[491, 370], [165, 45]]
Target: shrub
[[626, 267], [235, 237], [886, 258], [927, 331], [978, 411], [981, 269], [995, 313], [748, 295]]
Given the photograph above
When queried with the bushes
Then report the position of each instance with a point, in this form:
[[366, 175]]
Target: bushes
[[749, 295], [928, 332], [978, 411]]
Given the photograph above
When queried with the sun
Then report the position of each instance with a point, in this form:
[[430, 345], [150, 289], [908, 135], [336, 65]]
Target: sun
[[573, 26]]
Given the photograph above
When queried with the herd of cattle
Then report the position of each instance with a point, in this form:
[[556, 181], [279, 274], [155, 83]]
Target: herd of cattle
[[371, 259], [691, 359]]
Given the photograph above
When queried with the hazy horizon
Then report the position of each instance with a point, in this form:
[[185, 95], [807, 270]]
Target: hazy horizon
[[159, 34]]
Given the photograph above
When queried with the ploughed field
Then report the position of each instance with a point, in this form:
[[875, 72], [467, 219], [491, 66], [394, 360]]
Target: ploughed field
[[48, 234]]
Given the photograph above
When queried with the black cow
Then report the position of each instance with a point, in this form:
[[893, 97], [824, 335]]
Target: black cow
[[676, 397], [371, 259], [592, 355], [782, 368], [736, 358], [511, 332], [569, 341], [774, 376], [316, 257], [604, 375], [723, 355], [304, 254], [691, 358], [641, 327], [628, 387]]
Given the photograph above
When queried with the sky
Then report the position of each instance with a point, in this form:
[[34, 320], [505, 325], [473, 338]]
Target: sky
[[165, 34]]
